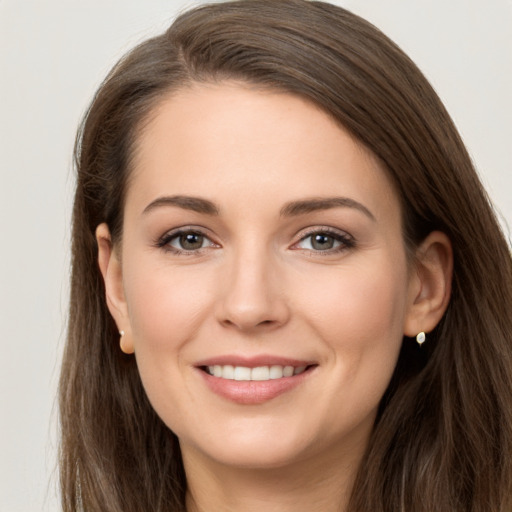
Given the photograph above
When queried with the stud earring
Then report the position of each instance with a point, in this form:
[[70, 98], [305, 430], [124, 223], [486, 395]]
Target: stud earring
[[121, 333], [420, 338]]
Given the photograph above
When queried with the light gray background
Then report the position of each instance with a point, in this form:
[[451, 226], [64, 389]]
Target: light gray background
[[53, 55]]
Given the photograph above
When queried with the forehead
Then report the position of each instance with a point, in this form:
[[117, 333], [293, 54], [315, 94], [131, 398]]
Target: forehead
[[234, 141]]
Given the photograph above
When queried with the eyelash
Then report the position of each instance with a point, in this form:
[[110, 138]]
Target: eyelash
[[345, 241]]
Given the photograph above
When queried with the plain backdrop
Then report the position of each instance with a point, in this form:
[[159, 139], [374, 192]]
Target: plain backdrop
[[53, 55]]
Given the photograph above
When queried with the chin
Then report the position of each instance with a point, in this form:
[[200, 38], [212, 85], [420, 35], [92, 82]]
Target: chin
[[255, 455], [253, 444]]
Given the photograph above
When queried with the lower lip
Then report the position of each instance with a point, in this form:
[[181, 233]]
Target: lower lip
[[252, 392]]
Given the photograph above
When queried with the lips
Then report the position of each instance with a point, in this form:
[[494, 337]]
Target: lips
[[252, 381]]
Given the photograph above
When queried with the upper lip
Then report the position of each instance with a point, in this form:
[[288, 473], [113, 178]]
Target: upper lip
[[254, 361]]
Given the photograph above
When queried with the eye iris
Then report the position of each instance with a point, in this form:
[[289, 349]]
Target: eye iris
[[191, 241], [322, 242]]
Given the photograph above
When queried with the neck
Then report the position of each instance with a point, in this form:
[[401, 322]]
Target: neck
[[322, 485]]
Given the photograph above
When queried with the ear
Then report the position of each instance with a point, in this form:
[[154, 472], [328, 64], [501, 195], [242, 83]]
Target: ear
[[429, 284], [111, 270]]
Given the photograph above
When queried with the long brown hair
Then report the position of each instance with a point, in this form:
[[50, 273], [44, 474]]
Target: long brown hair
[[443, 437]]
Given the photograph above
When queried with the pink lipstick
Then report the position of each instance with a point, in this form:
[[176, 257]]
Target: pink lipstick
[[253, 380]]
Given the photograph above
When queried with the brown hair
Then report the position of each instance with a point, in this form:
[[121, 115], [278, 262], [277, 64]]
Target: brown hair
[[443, 437]]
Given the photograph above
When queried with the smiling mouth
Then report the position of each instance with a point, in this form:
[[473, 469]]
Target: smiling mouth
[[259, 373]]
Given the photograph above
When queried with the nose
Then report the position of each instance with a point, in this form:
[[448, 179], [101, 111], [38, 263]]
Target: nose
[[254, 293]]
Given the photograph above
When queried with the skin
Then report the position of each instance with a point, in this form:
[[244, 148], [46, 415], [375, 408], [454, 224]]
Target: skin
[[258, 285]]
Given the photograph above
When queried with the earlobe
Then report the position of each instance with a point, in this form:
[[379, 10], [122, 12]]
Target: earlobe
[[111, 270], [430, 286], [125, 343]]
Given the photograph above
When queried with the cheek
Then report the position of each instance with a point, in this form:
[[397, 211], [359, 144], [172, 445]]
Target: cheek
[[365, 301], [373, 308], [165, 305], [359, 315]]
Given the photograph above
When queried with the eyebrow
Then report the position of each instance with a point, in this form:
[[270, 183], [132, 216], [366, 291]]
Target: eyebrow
[[294, 208], [317, 204], [196, 204]]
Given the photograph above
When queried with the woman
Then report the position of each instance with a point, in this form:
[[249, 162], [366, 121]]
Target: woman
[[289, 289]]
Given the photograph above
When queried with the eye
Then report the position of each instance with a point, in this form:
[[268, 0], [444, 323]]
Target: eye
[[325, 241], [188, 241], [185, 241]]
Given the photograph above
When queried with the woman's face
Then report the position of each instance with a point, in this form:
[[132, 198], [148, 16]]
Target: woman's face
[[260, 242]]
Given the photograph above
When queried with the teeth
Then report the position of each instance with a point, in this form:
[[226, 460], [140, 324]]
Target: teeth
[[228, 372], [242, 373], [259, 373], [276, 372], [298, 370], [287, 371]]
